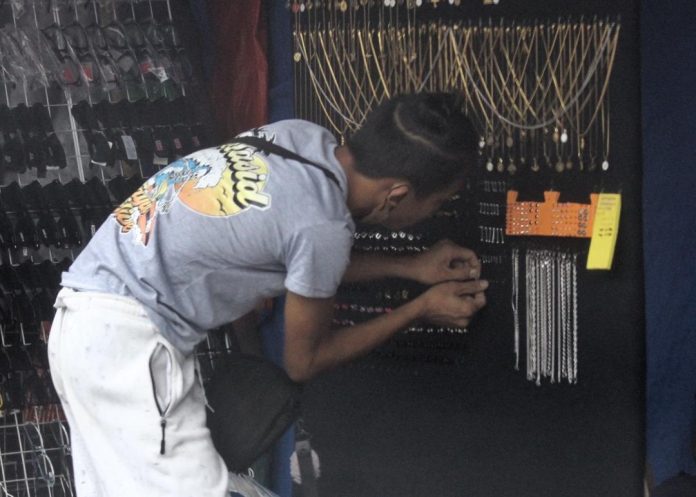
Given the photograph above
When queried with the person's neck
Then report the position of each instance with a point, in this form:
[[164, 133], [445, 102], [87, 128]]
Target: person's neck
[[362, 190]]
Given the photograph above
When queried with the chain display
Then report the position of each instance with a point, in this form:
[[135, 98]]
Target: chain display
[[551, 299], [538, 94], [537, 91]]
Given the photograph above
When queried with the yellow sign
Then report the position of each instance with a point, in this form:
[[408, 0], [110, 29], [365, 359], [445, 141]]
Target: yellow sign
[[604, 231]]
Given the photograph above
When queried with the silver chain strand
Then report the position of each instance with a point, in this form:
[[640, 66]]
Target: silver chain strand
[[551, 316], [546, 289], [541, 326], [515, 303], [542, 322], [563, 316], [557, 265], [528, 315], [554, 311], [574, 376], [569, 316], [531, 315]]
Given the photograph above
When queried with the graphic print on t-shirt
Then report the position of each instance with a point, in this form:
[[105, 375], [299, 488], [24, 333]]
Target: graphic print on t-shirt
[[218, 182]]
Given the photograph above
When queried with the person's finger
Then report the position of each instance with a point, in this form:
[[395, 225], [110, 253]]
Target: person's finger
[[479, 300], [468, 307], [464, 271], [461, 288], [462, 258], [462, 323]]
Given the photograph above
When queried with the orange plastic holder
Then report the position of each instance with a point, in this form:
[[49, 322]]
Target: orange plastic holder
[[549, 218]]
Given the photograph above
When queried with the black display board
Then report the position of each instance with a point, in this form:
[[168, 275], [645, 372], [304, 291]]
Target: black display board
[[471, 425]]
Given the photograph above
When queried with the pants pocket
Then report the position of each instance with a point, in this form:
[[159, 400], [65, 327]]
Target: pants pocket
[[161, 372]]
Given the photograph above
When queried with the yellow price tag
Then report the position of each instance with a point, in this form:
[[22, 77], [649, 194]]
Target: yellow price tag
[[605, 231]]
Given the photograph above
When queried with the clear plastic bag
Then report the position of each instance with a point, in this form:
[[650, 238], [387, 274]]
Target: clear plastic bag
[[246, 486], [12, 61], [46, 56], [18, 8], [39, 74], [152, 66]]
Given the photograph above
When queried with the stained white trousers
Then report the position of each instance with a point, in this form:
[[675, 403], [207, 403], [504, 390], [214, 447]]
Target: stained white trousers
[[134, 404]]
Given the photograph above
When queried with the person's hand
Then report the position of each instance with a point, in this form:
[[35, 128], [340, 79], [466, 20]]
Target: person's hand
[[446, 261], [453, 303]]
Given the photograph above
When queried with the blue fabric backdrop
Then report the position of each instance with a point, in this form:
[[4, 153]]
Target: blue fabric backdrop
[[280, 86], [281, 106], [668, 41]]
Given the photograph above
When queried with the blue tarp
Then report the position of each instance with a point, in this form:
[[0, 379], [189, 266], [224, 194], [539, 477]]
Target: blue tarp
[[668, 40], [281, 106]]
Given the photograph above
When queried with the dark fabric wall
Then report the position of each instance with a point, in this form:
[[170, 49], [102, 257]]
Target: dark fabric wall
[[669, 153], [479, 428]]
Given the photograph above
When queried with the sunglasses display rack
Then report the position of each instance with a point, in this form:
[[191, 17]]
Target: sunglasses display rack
[[35, 456], [95, 96]]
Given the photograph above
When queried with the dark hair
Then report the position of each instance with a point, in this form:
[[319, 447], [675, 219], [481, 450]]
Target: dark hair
[[424, 138]]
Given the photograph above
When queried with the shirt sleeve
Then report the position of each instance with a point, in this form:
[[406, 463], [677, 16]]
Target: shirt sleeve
[[316, 258]]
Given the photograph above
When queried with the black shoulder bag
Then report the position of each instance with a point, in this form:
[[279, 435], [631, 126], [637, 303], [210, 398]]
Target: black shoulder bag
[[253, 401]]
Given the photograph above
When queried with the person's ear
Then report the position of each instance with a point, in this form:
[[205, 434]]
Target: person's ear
[[397, 193]]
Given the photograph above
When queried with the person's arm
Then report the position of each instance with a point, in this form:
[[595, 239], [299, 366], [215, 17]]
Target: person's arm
[[444, 261], [311, 346]]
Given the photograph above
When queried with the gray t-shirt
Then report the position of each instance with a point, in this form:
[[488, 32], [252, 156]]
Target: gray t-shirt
[[202, 241]]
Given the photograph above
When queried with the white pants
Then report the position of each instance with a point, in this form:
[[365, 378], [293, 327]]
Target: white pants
[[135, 406]]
